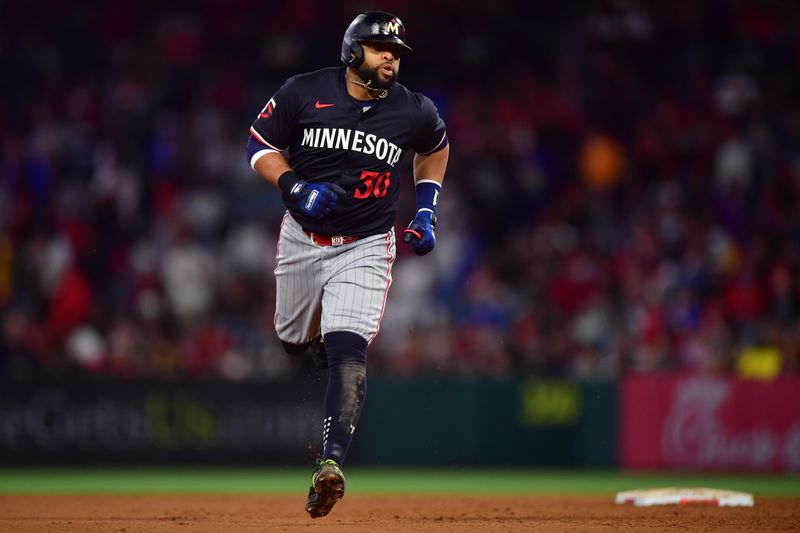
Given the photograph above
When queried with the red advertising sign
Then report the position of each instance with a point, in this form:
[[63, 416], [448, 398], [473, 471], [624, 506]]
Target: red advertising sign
[[702, 423]]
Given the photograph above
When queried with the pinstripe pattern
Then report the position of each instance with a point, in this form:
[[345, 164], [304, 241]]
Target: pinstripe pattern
[[330, 288]]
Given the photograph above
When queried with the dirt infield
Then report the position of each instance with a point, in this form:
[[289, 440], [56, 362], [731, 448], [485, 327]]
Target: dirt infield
[[376, 514]]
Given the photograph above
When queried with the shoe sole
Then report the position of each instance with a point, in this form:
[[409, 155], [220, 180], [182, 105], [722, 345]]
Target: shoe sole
[[330, 489]]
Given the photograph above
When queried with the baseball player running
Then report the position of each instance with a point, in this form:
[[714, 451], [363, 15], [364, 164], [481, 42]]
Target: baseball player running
[[332, 142]]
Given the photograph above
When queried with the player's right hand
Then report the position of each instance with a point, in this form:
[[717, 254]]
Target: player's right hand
[[317, 200]]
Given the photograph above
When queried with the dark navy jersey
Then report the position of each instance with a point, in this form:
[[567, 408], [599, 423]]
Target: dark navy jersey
[[330, 137]]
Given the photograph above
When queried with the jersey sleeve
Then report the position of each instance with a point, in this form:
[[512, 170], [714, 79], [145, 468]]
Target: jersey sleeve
[[276, 124], [431, 134]]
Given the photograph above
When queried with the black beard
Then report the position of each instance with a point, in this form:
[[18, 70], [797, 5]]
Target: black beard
[[371, 76]]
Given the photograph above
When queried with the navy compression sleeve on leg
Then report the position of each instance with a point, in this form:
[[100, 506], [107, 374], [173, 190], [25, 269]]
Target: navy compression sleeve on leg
[[346, 391]]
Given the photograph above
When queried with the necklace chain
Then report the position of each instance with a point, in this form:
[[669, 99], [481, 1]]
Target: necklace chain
[[381, 92]]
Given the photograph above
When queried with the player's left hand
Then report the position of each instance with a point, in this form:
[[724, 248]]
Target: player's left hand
[[420, 232]]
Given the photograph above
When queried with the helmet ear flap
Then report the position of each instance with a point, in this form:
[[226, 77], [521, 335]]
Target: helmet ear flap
[[356, 56]]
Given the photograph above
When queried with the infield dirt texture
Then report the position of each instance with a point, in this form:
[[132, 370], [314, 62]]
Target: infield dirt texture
[[375, 514], [112, 501]]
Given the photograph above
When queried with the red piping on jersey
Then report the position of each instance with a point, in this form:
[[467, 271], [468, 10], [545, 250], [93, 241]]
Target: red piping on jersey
[[260, 139], [389, 261]]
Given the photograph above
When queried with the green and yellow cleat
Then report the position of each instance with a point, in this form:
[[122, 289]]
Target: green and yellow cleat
[[327, 488]]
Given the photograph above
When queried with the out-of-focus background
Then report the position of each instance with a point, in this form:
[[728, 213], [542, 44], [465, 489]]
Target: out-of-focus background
[[616, 280]]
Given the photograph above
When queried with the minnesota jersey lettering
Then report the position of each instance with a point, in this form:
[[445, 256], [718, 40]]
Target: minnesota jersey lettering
[[354, 140]]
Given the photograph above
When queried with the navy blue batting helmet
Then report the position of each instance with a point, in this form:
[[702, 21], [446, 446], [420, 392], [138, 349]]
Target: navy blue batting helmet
[[372, 26]]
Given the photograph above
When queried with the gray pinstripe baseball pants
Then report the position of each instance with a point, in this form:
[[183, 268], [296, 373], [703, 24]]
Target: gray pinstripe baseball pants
[[320, 289]]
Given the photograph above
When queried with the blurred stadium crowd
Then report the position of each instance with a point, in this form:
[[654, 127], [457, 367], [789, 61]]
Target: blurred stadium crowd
[[623, 193]]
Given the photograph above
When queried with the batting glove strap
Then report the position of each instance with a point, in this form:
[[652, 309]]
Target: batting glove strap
[[420, 232], [290, 183]]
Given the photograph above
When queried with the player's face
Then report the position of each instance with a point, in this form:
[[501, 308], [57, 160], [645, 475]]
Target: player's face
[[381, 64]]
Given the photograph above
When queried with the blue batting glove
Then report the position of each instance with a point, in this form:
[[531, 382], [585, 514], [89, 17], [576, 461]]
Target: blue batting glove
[[316, 200], [420, 232]]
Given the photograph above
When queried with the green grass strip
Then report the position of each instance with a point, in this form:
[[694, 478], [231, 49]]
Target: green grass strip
[[370, 481]]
